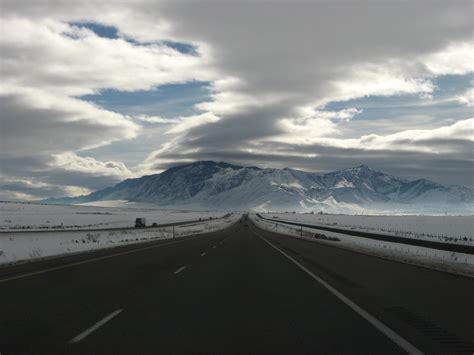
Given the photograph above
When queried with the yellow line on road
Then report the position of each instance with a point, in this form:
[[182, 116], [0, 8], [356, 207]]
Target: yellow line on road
[[39, 272]]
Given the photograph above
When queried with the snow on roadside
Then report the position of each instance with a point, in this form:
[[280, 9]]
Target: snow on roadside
[[458, 263], [28, 246], [446, 229], [35, 216]]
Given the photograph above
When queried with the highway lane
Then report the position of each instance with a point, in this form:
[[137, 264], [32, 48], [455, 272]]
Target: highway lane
[[231, 292], [42, 312], [431, 309]]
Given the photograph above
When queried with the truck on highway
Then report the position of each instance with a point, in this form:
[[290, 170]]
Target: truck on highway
[[140, 223]]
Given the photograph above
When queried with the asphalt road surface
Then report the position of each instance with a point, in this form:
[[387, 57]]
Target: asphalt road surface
[[241, 290]]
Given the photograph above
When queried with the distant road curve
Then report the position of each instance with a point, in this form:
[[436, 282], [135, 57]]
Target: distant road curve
[[46, 230], [458, 248]]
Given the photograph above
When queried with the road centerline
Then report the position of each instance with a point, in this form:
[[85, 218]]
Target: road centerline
[[96, 326], [392, 335], [203, 254]]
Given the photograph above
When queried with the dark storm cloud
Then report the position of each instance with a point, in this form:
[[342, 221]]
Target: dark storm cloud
[[409, 165], [54, 129]]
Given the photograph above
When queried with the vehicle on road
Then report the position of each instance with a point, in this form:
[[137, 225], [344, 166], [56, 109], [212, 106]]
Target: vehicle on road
[[140, 223]]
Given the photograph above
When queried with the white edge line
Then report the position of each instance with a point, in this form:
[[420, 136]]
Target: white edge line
[[397, 339], [100, 323], [180, 269]]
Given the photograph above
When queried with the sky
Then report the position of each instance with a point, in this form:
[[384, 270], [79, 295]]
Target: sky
[[93, 93]]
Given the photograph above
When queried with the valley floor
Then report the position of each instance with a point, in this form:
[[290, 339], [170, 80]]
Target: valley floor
[[33, 216]]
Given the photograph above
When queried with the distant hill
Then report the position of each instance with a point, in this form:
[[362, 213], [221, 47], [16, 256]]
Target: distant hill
[[218, 185]]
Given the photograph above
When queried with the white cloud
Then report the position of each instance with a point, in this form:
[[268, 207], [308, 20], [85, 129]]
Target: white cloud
[[64, 64], [455, 59], [378, 80], [33, 189], [72, 162], [9, 195], [433, 141], [154, 119], [311, 124], [467, 98], [189, 122], [441, 140], [72, 191]]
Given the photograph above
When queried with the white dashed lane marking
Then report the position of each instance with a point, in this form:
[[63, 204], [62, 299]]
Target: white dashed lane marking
[[180, 269], [96, 326]]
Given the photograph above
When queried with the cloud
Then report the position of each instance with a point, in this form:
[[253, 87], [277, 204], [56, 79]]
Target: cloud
[[30, 189], [273, 67], [35, 122], [154, 119], [71, 162], [313, 123], [63, 63], [9, 195], [279, 82], [456, 58], [437, 152], [46, 64], [193, 121], [467, 98], [447, 139]]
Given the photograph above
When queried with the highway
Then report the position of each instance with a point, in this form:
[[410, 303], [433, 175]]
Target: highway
[[240, 290]]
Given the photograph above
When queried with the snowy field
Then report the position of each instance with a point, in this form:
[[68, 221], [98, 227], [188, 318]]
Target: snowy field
[[450, 229], [26, 246], [30, 216], [458, 263]]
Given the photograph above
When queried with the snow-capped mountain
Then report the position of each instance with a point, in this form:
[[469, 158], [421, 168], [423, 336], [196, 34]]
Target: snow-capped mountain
[[212, 185]]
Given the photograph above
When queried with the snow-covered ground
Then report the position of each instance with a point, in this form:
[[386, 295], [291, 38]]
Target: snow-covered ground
[[31, 216], [459, 263], [449, 229], [26, 246]]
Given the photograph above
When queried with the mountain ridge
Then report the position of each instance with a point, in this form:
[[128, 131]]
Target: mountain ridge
[[220, 185]]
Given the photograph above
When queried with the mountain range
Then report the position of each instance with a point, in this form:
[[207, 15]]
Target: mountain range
[[219, 185]]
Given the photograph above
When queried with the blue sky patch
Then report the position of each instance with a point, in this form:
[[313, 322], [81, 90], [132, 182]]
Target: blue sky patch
[[441, 107], [181, 47], [169, 101], [112, 32], [184, 48], [99, 29]]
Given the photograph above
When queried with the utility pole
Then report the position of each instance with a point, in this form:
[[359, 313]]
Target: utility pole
[[173, 231]]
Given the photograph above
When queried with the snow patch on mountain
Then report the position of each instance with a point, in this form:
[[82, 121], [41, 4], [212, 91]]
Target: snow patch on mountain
[[208, 184]]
